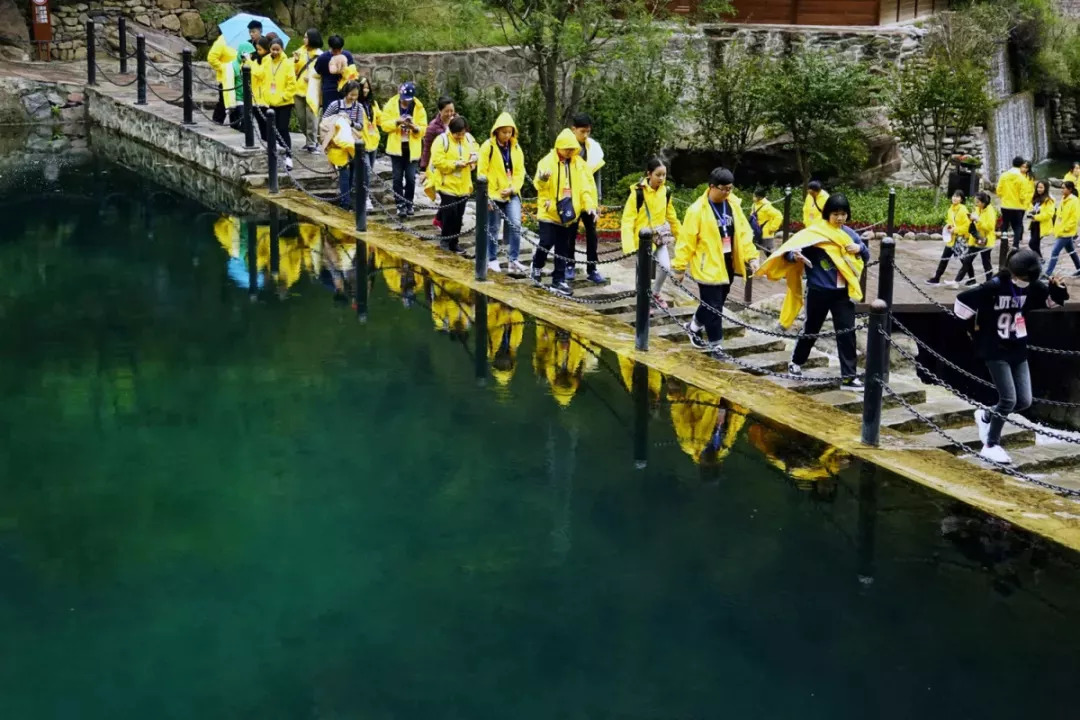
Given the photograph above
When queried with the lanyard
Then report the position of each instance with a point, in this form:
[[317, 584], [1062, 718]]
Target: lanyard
[[722, 221], [569, 179]]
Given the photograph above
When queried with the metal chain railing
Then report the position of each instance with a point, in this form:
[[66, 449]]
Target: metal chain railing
[[526, 235]]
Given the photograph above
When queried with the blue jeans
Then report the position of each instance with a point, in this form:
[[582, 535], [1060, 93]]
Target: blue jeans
[[345, 183], [404, 182], [1062, 243], [1013, 381], [512, 210]]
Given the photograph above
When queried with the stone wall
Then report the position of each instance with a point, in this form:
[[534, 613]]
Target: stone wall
[[176, 17], [478, 70], [33, 102]]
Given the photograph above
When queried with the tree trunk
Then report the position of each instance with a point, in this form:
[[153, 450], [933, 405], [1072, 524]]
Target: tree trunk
[[546, 73]]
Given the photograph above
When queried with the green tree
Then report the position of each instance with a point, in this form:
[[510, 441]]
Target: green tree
[[570, 42], [818, 99], [932, 106], [729, 103]]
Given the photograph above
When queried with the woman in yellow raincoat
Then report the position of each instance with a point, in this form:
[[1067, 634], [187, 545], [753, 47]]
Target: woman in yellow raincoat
[[1042, 216], [221, 57], [957, 230], [982, 236], [833, 256], [650, 206], [308, 89], [814, 203]]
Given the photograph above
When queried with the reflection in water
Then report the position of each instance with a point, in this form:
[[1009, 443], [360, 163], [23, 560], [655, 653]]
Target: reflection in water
[[790, 454], [562, 358], [505, 331]]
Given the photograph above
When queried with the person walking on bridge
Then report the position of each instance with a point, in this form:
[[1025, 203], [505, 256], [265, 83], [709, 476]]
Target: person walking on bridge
[[994, 315], [982, 237], [716, 244], [593, 155], [505, 174], [1042, 216], [403, 120], [1065, 227], [454, 155], [956, 235], [1015, 190], [650, 206], [833, 256]]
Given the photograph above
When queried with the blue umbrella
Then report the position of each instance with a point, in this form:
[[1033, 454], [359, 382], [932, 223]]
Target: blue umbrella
[[235, 29]]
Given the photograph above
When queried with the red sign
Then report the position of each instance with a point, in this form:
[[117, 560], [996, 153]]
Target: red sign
[[39, 13]]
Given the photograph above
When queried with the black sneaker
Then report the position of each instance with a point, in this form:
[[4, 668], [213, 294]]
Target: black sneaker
[[536, 275], [597, 278], [852, 384], [562, 288], [570, 273], [411, 211], [971, 282], [933, 281], [696, 338]]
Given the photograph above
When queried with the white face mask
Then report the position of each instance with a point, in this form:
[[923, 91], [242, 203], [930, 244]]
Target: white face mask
[[1020, 282]]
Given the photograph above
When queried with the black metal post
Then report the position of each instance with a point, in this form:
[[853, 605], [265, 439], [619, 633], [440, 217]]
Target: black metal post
[[890, 222], [91, 54], [360, 268], [787, 213], [140, 69], [641, 415], [1003, 248], [480, 349], [275, 240], [359, 192], [252, 260], [748, 287], [122, 40], [189, 100], [877, 363], [644, 294], [481, 248], [867, 532], [885, 276], [271, 152], [249, 126]]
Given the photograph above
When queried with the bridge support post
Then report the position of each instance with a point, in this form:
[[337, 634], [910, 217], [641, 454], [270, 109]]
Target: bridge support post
[[271, 151], [644, 291], [360, 270], [360, 188], [641, 415], [246, 118], [877, 368], [189, 100], [122, 40], [140, 69], [91, 53], [787, 213], [482, 210]]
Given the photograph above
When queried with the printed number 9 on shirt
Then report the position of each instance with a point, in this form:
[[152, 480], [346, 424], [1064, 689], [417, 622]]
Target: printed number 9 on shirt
[[1009, 324]]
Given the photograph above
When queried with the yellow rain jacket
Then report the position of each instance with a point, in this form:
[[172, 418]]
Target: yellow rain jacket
[[506, 330], [348, 74], [697, 416], [1071, 177], [491, 163], [986, 225], [390, 113], [834, 242], [227, 232], [371, 128], [656, 210], [626, 371], [451, 306], [566, 179], [258, 75], [1067, 218], [562, 359], [700, 247], [338, 140], [308, 82], [446, 151], [278, 80], [811, 209], [221, 57], [769, 218], [1015, 190], [1045, 216], [959, 218]]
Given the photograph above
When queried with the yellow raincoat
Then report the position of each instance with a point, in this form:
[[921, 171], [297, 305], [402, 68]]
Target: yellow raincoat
[[811, 208], [834, 242], [338, 140], [1045, 216], [389, 115], [561, 358], [700, 247], [371, 128], [278, 81], [446, 151], [1015, 190], [221, 57], [571, 178], [654, 212], [308, 82], [626, 372], [491, 165], [506, 330], [1068, 217], [451, 306], [806, 472], [986, 225], [698, 416], [769, 218], [959, 217]]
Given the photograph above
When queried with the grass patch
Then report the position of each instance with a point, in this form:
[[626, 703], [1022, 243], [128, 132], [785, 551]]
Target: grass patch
[[457, 26]]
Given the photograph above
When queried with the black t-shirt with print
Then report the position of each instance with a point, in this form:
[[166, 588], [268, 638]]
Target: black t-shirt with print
[[998, 308]]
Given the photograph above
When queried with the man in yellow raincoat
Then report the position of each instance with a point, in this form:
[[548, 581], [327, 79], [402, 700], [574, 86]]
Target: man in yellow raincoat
[[716, 244], [220, 57], [833, 256], [454, 156]]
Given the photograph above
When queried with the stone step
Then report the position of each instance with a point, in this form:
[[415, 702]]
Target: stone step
[[1011, 436], [850, 402], [676, 333], [778, 361], [947, 412], [1046, 457]]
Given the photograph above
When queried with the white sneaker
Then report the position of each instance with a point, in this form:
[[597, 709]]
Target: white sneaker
[[515, 267], [983, 424], [794, 369], [494, 266], [288, 163], [370, 207], [995, 453]]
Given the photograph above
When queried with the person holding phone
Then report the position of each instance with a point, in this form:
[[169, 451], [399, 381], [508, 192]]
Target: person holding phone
[[454, 156], [404, 119]]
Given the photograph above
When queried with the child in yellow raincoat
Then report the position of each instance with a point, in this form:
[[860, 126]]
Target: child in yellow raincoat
[[833, 256], [650, 206], [813, 204], [982, 236], [221, 57], [1042, 216], [454, 156], [308, 88], [957, 230]]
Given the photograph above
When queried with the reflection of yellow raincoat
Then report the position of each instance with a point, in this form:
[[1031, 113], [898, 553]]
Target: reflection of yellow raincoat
[[227, 232], [805, 471], [563, 359], [700, 418], [626, 370], [833, 241], [397, 274], [506, 329], [451, 305]]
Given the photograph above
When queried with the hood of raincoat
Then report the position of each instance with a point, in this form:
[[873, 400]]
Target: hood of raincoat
[[567, 141], [505, 120], [244, 48]]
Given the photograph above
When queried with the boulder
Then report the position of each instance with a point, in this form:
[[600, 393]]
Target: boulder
[[37, 106], [281, 13], [168, 5], [170, 22], [192, 25], [14, 29]]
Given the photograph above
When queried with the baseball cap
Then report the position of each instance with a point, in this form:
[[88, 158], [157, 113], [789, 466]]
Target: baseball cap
[[407, 91]]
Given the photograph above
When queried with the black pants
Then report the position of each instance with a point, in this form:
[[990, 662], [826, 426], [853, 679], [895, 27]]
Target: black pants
[[967, 266], [452, 216], [219, 111], [404, 182], [946, 254], [282, 115], [819, 304], [560, 238], [1013, 220], [328, 96], [708, 312], [592, 243], [236, 118], [1036, 237]]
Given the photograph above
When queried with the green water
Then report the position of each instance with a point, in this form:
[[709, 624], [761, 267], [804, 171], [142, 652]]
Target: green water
[[219, 508]]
